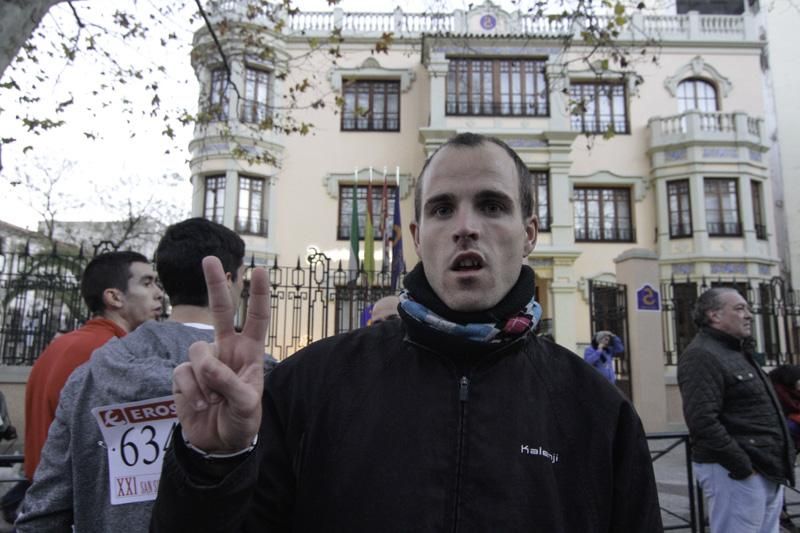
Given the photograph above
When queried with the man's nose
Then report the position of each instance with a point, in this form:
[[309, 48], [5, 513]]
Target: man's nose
[[466, 225]]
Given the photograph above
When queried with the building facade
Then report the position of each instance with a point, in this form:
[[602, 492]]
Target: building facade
[[668, 155]]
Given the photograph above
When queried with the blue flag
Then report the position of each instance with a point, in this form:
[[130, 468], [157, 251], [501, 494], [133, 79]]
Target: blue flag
[[398, 264]]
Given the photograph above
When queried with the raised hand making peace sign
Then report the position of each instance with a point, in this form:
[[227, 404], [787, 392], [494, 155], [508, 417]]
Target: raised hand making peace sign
[[218, 392]]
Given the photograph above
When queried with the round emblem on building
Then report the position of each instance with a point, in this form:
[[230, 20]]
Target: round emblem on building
[[488, 22]]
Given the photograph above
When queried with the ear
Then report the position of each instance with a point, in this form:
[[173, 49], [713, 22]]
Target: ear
[[113, 299], [531, 234], [414, 228]]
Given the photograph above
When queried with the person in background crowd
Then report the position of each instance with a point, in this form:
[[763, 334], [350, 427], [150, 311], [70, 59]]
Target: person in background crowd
[[73, 485], [121, 292], [385, 309], [604, 348], [741, 448]]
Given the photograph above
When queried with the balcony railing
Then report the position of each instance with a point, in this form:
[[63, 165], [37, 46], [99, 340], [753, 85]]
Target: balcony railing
[[605, 234], [701, 126], [252, 226], [253, 111], [724, 229], [688, 27]]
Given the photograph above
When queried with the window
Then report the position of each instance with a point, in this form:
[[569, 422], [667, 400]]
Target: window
[[598, 107], [541, 198], [255, 107], [249, 218], [497, 87], [722, 207], [371, 105], [346, 209], [215, 198], [680, 209], [218, 96], [697, 94], [758, 211], [603, 214]]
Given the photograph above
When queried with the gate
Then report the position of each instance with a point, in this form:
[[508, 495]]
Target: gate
[[775, 316], [312, 302], [39, 296], [608, 309]]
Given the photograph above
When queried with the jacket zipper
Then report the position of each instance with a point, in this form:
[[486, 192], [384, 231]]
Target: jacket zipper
[[463, 397]]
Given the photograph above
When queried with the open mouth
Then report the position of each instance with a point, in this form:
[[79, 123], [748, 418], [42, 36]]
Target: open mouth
[[467, 263]]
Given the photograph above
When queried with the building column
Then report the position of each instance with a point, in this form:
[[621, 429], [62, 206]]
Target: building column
[[564, 295], [231, 199], [560, 150], [697, 197], [751, 247], [636, 268], [437, 70]]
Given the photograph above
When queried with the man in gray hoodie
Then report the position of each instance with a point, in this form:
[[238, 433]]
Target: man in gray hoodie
[[114, 418]]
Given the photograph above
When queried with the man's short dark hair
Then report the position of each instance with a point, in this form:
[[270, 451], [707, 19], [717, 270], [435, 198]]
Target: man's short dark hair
[[180, 253], [708, 301], [471, 140], [110, 270]]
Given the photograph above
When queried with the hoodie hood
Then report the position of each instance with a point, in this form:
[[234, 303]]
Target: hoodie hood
[[140, 364]]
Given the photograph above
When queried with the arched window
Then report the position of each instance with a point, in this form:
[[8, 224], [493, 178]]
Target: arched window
[[694, 93]]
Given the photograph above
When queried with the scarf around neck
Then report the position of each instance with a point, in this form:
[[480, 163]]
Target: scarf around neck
[[514, 316]]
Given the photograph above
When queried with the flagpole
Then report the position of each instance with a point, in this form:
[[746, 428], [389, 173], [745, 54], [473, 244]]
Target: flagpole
[[354, 238], [369, 235], [385, 221]]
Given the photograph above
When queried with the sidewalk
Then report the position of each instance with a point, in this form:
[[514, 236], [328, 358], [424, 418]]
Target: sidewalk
[[673, 490]]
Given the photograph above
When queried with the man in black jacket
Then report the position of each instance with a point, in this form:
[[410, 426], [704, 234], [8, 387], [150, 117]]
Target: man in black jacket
[[455, 418], [740, 443]]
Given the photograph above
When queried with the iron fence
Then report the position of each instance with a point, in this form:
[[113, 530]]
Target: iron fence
[[773, 302], [313, 301], [39, 296]]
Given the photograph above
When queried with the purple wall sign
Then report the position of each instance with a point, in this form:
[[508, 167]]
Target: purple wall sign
[[488, 22], [648, 299]]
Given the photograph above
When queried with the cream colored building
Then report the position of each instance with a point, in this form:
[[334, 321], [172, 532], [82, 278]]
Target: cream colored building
[[683, 184]]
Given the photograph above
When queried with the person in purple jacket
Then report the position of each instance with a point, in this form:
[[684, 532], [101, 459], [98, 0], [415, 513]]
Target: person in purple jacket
[[605, 346]]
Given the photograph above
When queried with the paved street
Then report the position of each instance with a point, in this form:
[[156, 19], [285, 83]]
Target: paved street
[[673, 494]]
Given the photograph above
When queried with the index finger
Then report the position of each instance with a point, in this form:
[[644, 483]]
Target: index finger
[[219, 297], [255, 326]]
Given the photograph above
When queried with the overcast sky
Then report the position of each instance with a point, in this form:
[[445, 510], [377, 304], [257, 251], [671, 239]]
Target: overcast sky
[[130, 147]]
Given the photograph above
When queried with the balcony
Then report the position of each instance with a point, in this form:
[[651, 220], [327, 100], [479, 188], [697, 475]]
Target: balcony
[[697, 127], [643, 28], [253, 111]]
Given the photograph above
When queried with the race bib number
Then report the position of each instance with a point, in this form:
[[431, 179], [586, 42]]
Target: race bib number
[[136, 435]]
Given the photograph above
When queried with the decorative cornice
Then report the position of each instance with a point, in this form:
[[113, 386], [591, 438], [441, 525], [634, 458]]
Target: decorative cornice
[[698, 67], [603, 177], [371, 69]]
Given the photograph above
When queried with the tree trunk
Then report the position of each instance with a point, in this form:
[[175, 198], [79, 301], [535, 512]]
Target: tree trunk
[[18, 19]]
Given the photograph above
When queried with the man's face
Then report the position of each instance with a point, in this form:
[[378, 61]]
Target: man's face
[[733, 317], [142, 300], [471, 235]]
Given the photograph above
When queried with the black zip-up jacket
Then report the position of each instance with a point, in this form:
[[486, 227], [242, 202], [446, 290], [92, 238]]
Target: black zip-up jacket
[[378, 430], [733, 414]]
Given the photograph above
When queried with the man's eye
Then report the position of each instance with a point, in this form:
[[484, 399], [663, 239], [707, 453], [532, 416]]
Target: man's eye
[[493, 208], [441, 211]]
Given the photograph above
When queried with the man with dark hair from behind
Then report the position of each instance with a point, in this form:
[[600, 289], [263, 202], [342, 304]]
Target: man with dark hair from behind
[[453, 418], [121, 292], [73, 486], [741, 448]]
